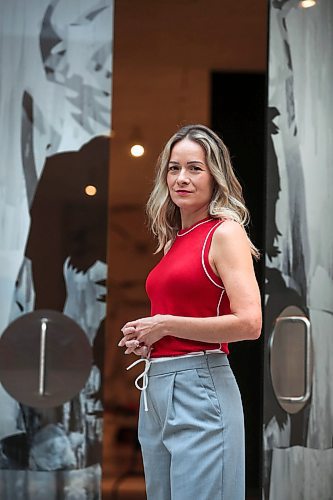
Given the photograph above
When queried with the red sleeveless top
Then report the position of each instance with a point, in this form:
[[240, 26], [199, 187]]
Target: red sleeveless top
[[184, 284]]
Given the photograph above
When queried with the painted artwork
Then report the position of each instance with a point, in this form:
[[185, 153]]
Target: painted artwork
[[298, 454], [55, 119]]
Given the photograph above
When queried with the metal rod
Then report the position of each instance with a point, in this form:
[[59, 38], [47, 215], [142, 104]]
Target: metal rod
[[42, 354]]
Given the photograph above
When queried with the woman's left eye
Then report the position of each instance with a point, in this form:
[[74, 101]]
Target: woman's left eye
[[196, 168]]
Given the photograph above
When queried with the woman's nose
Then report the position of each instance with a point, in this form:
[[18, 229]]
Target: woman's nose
[[182, 176]]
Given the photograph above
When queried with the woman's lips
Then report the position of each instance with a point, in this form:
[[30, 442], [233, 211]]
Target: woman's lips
[[183, 191]]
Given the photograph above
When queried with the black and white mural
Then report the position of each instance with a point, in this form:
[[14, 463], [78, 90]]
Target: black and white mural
[[55, 121], [298, 453]]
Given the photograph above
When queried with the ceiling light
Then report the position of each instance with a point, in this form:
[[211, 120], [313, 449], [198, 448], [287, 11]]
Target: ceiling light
[[90, 190], [137, 150], [307, 3]]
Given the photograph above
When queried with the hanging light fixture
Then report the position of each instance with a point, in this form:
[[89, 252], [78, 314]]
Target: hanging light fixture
[[90, 190], [90, 186], [137, 150], [136, 143], [305, 4]]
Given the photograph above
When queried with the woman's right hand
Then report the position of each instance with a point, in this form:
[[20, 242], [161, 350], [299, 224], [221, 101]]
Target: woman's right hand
[[134, 346]]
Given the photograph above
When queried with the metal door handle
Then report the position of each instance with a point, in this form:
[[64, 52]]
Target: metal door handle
[[42, 354], [307, 359]]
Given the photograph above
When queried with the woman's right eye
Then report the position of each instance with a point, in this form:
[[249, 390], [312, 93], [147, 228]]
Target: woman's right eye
[[173, 168]]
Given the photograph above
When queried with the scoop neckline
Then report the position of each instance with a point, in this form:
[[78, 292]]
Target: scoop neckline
[[186, 230]]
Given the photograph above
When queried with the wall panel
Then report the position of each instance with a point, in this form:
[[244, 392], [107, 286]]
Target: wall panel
[[299, 240], [55, 121]]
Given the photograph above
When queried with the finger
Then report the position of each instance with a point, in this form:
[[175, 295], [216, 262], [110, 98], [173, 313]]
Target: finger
[[128, 338], [127, 330], [129, 350], [129, 324], [139, 351], [142, 351], [134, 324], [132, 343], [131, 346]]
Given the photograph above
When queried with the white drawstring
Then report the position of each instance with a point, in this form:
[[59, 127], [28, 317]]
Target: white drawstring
[[144, 377]]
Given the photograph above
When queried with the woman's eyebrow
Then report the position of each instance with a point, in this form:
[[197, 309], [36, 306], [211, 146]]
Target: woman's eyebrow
[[191, 161]]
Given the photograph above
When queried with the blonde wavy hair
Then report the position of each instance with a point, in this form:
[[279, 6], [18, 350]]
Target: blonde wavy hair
[[227, 199]]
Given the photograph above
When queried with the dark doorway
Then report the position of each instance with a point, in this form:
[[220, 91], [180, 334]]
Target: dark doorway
[[238, 116]]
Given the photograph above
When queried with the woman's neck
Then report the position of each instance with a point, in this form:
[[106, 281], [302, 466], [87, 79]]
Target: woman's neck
[[189, 219]]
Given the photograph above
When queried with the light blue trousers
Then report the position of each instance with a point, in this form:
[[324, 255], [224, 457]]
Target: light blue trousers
[[192, 436]]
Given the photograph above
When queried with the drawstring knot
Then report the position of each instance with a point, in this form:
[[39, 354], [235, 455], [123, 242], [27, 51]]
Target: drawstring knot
[[144, 378]]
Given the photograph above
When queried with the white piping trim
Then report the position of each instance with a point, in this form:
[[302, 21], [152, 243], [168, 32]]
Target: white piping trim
[[219, 303], [218, 309], [202, 257], [199, 224]]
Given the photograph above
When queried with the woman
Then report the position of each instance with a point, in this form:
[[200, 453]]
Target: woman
[[203, 295]]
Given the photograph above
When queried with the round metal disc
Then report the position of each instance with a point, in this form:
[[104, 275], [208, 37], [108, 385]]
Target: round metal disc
[[45, 358]]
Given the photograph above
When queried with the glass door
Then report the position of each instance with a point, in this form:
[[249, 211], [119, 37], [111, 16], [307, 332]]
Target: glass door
[[298, 367]]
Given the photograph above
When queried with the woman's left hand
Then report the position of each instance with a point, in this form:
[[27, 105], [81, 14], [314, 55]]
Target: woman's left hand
[[146, 331]]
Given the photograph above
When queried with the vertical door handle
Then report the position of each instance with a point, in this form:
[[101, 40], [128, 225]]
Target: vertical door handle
[[307, 358], [42, 356]]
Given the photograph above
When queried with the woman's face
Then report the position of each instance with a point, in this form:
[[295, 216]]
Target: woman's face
[[189, 180]]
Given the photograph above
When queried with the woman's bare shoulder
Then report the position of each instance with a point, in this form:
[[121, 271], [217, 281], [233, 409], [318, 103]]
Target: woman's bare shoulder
[[230, 238], [229, 229]]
